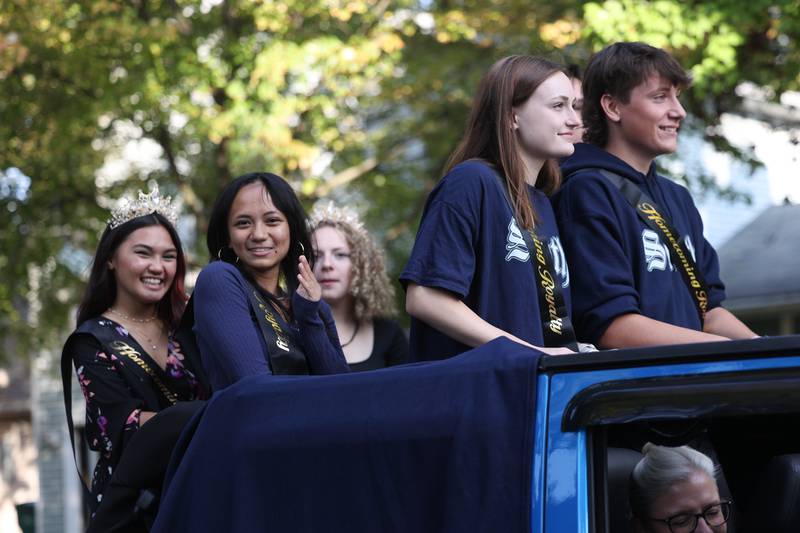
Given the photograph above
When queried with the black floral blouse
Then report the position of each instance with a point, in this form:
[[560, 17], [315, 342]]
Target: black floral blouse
[[117, 388]]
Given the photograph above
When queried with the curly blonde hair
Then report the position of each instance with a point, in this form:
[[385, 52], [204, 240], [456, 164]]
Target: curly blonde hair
[[373, 293]]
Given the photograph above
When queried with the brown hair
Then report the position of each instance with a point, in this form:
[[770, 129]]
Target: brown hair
[[616, 70], [491, 137]]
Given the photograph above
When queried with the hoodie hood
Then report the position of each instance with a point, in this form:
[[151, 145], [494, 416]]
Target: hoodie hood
[[591, 156]]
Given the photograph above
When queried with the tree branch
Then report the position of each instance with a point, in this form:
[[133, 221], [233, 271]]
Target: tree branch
[[188, 195], [346, 176]]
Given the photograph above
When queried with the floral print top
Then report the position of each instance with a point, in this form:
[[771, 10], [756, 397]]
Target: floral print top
[[117, 390]]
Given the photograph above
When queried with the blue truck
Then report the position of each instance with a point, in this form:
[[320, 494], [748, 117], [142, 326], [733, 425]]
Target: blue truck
[[739, 400]]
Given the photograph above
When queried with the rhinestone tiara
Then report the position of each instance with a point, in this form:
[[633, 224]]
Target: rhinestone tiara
[[337, 215], [146, 204]]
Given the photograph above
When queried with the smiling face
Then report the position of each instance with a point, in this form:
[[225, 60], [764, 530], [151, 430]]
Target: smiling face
[[647, 125], [258, 232], [333, 267], [545, 122], [144, 267]]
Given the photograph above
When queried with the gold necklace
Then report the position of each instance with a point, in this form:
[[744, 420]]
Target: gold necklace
[[132, 319], [149, 340]]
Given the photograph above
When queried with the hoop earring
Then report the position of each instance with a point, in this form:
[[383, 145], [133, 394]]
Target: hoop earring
[[219, 256], [302, 248]]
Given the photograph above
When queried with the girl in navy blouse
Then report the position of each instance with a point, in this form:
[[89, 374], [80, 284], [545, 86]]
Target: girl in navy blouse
[[257, 305]]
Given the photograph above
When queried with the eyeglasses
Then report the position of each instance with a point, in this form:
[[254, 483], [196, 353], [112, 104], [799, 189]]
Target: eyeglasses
[[714, 515]]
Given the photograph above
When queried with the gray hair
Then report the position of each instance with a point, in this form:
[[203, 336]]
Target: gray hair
[[659, 469]]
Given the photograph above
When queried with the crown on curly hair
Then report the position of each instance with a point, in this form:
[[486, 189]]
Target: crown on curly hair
[[336, 215], [370, 286]]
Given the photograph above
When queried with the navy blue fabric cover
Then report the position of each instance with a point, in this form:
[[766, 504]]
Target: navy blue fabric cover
[[442, 446], [469, 244]]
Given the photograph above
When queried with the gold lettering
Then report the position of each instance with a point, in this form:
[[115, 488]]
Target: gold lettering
[[656, 217], [652, 214], [272, 321], [547, 278], [550, 298], [281, 340], [649, 210], [125, 349], [549, 290], [547, 282], [702, 297], [539, 249], [129, 352]]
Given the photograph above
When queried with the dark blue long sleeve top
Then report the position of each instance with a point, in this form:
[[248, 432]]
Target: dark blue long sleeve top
[[230, 340]]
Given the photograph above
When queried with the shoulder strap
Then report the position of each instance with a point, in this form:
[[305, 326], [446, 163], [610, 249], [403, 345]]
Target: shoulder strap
[[657, 220], [121, 350], [557, 327], [66, 382], [124, 350]]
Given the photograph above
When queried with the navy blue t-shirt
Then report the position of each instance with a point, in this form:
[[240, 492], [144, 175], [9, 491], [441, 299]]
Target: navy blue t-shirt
[[618, 264], [469, 244]]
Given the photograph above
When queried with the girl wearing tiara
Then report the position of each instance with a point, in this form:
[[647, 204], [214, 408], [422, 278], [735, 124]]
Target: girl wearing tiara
[[129, 364], [351, 272]]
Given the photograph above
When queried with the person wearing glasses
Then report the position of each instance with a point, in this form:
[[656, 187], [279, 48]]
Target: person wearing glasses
[[675, 490]]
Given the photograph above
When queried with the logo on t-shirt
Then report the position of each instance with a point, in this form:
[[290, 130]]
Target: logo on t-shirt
[[559, 260], [515, 244], [518, 251], [657, 254]]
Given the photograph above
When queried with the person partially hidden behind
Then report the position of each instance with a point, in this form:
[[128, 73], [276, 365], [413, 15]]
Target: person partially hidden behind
[[352, 274], [674, 490], [642, 272], [576, 78]]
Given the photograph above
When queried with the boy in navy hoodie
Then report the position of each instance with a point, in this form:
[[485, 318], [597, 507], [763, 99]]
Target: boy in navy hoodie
[[630, 287]]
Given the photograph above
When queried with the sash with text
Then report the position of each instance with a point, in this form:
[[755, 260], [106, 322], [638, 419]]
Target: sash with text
[[284, 356], [655, 219], [557, 327]]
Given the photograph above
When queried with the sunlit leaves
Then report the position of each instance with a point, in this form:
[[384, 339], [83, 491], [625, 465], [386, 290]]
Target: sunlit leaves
[[697, 34]]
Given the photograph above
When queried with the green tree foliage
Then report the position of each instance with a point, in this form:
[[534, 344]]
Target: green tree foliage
[[358, 100]]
